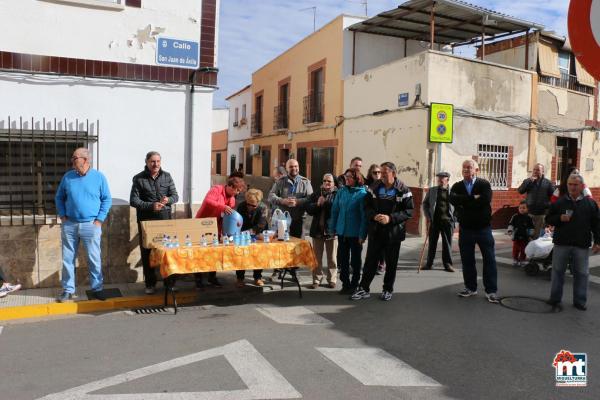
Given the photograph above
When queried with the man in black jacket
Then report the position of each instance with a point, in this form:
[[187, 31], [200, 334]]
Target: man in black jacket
[[575, 219], [472, 198], [388, 205], [152, 193], [539, 190]]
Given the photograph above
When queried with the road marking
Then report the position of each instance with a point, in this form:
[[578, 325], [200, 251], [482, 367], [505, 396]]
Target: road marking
[[375, 367], [1, 328], [262, 379], [293, 315]]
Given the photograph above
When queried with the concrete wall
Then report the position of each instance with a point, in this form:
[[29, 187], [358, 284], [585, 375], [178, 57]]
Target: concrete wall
[[121, 35], [515, 57]]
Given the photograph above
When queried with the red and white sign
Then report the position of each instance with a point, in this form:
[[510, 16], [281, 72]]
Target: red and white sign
[[584, 34]]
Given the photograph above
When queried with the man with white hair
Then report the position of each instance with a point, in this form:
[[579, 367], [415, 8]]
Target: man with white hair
[[539, 191], [82, 202], [472, 198], [576, 222]]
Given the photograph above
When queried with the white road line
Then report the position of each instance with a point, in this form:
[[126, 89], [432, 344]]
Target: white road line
[[262, 379], [1, 328], [293, 315], [389, 370]]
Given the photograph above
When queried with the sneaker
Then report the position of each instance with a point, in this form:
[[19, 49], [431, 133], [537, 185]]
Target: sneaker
[[313, 286], [150, 290], [580, 307], [259, 282], [385, 295], [3, 294], [331, 285], [274, 276], [9, 288], [240, 284], [448, 268], [492, 298], [99, 295], [467, 293], [64, 297], [360, 294], [516, 263]]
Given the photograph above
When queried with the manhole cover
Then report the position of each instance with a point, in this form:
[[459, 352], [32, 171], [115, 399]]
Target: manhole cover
[[528, 304]]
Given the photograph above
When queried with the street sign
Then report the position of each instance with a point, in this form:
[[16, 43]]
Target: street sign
[[403, 100], [177, 53], [584, 34], [441, 123]]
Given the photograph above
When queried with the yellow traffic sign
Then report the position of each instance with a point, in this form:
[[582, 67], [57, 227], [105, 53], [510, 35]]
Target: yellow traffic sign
[[441, 123]]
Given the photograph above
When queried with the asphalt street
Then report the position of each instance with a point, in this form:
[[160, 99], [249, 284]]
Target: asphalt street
[[426, 343]]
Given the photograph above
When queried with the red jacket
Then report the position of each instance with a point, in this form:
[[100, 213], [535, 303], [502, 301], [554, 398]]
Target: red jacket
[[214, 204]]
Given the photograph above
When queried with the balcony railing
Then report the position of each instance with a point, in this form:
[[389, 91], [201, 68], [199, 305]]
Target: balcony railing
[[280, 117], [566, 81], [313, 108], [256, 124]]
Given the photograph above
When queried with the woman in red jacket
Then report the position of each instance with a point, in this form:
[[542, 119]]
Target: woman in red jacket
[[219, 200]]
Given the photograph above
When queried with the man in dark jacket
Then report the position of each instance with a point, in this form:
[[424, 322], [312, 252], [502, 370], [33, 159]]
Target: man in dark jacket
[[439, 214], [539, 190], [152, 193], [472, 198], [575, 219], [388, 205]]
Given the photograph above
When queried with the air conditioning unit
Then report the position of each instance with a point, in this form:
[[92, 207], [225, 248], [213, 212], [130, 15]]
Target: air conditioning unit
[[254, 149]]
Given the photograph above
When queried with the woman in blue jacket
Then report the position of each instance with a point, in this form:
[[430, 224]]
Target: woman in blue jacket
[[349, 223]]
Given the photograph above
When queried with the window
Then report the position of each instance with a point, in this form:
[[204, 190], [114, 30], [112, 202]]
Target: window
[[564, 63], [235, 119], [243, 111], [218, 166], [302, 160], [281, 113], [266, 162], [493, 164], [232, 162], [321, 162], [313, 103], [257, 116], [32, 163]]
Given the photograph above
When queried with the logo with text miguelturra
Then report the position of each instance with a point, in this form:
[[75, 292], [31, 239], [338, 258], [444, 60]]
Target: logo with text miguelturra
[[570, 368]]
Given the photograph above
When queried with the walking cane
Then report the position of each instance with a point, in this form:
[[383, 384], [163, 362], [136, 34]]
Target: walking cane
[[423, 250]]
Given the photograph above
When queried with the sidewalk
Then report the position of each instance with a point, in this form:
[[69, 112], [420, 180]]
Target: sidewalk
[[33, 303]]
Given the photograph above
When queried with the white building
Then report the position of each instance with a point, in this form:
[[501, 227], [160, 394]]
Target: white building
[[240, 110], [86, 72]]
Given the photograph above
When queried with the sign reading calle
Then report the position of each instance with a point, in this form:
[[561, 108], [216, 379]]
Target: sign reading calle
[[177, 53]]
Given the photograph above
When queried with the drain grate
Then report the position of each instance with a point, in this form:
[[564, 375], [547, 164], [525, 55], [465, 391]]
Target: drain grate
[[150, 310], [528, 304]]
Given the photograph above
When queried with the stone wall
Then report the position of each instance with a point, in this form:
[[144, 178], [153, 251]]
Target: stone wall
[[32, 255]]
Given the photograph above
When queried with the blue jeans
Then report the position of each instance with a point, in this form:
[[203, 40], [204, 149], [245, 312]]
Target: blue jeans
[[349, 254], [483, 238], [580, 262], [90, 235]]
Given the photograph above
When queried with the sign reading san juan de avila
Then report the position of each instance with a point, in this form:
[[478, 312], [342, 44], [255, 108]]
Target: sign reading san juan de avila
[[177, 53]]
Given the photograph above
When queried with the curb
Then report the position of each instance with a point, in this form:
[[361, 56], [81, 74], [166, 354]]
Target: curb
[[91, 306]]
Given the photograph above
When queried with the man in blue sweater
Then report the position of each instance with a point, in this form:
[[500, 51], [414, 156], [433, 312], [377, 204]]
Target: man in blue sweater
[[82, 203]]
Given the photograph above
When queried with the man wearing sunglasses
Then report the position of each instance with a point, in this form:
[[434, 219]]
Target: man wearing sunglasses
[[82, 202]]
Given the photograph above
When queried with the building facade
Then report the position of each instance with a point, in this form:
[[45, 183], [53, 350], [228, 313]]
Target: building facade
[[219, 141], [86, 74], [240, 110]]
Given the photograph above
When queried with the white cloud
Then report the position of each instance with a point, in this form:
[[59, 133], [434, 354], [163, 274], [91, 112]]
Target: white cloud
[[251, 32]]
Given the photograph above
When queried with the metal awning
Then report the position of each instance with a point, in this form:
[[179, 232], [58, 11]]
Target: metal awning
[[452, 22]]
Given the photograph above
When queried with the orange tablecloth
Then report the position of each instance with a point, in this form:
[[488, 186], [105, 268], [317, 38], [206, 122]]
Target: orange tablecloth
[[187, 260]]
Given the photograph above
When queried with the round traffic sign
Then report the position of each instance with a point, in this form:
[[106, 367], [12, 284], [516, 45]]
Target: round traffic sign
[[584, 34]]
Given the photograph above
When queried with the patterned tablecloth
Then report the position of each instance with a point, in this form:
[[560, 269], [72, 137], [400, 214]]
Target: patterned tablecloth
[[187, 260]]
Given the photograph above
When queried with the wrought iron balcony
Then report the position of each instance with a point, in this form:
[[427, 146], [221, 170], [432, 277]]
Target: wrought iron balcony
[[280, 117], [313, 108]]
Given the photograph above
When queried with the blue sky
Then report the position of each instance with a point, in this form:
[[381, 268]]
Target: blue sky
[[253, 32]]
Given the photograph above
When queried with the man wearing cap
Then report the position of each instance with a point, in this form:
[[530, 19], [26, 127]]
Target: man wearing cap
[[439, 214]]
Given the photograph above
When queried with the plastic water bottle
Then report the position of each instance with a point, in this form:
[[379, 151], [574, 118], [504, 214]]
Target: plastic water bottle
[[175, 241], [165, 240], [265, 237], [286, 236], [203, 241], [188, 241], [215, 240], [236, 239], [168, 242], [225, 240]]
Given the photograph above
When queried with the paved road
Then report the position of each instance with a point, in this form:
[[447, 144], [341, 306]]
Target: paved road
[[425, 344]]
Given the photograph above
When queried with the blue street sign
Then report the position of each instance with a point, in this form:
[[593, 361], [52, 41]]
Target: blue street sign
[[177, 53], [403, 100]]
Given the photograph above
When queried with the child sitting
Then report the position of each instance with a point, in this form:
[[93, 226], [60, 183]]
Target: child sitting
[[520, 228]]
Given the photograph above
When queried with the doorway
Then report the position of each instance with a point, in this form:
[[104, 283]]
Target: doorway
[[566, 157]]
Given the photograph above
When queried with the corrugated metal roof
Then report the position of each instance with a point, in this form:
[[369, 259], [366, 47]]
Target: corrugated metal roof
[[455, 22]]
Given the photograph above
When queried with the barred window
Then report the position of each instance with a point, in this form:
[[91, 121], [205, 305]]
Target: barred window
[[34, 155], [493, 164]]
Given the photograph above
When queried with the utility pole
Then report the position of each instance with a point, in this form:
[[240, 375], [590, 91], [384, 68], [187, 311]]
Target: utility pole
[[314, 10]]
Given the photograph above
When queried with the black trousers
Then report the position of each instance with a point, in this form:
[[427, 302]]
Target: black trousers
[[256, 274], [435, 230], [390, 250]]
